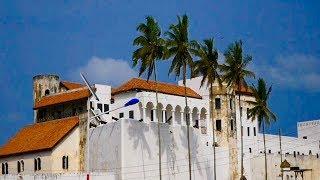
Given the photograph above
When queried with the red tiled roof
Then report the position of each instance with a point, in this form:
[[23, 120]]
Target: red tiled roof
[[71, 95], [244, 90], [39, 137], [71, 85], [165, 88]]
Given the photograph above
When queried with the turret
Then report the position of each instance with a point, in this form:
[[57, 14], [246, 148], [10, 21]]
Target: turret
[[44, 85]]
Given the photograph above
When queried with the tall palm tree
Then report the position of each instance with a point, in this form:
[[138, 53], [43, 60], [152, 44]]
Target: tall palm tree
[[262, 112], [235, 71], [179, 47], [209, 68], [151, 48]]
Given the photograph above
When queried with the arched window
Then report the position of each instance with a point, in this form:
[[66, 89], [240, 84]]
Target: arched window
[[18, 166], [47, 92], [310, 153], [4, 168], [37, 164], [65, 162]]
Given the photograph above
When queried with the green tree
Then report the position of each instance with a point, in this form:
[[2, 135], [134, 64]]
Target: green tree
[[235, 71], [151, 48], [208, 67], [179, 48], [262, 112]]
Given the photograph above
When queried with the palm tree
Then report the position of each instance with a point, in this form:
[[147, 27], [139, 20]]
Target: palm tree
[[179, 47], [151, 48], [209, 68], [235, 71], [262, 112]]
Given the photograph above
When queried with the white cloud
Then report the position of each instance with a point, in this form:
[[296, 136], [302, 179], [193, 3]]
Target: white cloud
[[296, 71], [105, 71]]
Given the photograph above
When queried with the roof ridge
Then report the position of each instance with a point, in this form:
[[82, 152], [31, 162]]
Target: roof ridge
[[149, 85], [49, 121], [67, 91], [72, 82], [159, 82]]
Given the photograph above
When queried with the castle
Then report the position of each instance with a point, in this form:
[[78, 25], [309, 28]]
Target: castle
[[66, 138]]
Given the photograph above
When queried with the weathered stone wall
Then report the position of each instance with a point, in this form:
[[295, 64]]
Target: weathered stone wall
[[43, 83], [62, 111], [83, 126]]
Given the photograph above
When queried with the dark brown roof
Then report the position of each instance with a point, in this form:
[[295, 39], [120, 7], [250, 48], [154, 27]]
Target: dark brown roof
[[39, 137], [71, 85], [165, 88], [67, 96]]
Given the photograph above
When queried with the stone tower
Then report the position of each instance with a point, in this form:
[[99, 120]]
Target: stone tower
[[45, 85]]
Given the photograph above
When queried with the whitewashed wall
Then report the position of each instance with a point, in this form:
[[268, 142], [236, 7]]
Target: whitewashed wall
[[66, 176], [274, 171], [129, 149], [51, 161], [309, 130]]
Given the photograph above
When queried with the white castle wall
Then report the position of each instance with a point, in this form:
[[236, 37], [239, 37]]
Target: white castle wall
[[309, 130], [129, 148]]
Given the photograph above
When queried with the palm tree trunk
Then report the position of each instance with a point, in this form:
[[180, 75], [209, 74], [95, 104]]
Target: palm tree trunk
[[265, 152], [213, 133], [241, 132], [187, 116], [158, 117]]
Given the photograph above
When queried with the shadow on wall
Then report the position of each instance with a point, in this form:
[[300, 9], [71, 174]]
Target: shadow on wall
[[137, 134], [194, 144], [168, 145]]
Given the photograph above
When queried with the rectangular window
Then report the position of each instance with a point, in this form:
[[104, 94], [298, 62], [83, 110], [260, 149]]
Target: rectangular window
[[111, 100], [248, 131], [106, 108], [65, 162], [230, 103], [131, 114], [250, 150], [35, 165], [218, 125], [248, 113], [241, 130], [151, 116], [254, 131], [241, 111], [99, 106], [121, 115], [231, 124], [218, 103], [91, 105]]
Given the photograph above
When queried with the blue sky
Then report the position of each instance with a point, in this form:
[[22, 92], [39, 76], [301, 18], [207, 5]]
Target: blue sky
[[65, 37]]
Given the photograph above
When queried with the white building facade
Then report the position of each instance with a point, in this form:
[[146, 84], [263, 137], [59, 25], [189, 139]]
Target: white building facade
[[125, 141]]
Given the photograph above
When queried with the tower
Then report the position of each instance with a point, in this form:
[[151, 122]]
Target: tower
[[44, 85]]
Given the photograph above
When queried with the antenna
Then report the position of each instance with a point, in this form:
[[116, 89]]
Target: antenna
[[89, 87]]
